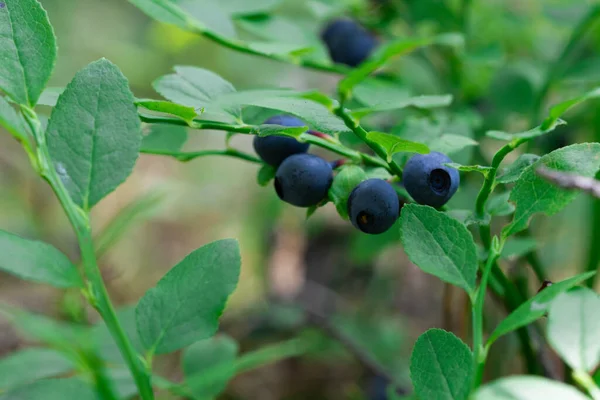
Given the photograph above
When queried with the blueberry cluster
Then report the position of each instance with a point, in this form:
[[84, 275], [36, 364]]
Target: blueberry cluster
[[347, 42], [303, 180]]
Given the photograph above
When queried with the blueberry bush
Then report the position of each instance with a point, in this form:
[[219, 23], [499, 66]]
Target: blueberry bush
[[392, 154]]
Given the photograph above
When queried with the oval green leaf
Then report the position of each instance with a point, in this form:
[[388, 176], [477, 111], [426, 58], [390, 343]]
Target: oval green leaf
[[27, 50], [574, 328], [166, 107], [533, 194], [37, 261], [31, 364], [214, 354], [393, 144], [187, 302], [527, 388], [94, 133], [439, 245], [53, 389], [441, 366], [535, 307]]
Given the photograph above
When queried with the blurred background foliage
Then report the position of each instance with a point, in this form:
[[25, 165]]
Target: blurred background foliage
[[365, 285]]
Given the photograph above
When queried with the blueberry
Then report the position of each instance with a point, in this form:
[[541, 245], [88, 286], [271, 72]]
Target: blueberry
[[303, 180], [373, 206], [348, 42], [274, 149], [428, 180]]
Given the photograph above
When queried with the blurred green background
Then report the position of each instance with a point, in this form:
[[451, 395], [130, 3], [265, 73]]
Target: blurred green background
[[385, 302]]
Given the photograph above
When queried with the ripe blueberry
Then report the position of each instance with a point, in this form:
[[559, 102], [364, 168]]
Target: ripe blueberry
[[348, 42], [303, 180], [373, 206], [428, 180], [274, 149]]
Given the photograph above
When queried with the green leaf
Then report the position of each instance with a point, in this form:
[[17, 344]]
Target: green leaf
[[448, 135], [535, 307], [94, 133], [512, 173], [373, 91], [393, 144], [37, 261], [390, 50], [207, 16], [558, 110], [266, 173], [343, 184], [470, 168], [245, 7], [299, 104], [12, 122], [527, 135], [217, 353], [574, 328], [499, 206], [441, 366], [533, 194], [279, 130], [425, 102], [197, 88], [39, 328], [27, 50], [52, 389], [185, 113], [31, 364], [50, 96], [164, 11], [518, 247], [449, 143], [527, 388], [439, 245], [168, 138], [187, 302]]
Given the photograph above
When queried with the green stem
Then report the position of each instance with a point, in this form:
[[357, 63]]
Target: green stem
[[512, 297], [359, 131], [563, 60], [104, 386], [97, 293], [586, 382], [335, 147], [593, 259], [479, 351], [490, 178], [188, 156]]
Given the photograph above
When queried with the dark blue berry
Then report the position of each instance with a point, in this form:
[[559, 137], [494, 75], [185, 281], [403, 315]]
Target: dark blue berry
[[373, 206], [303, 180], [348, 42], [428, 180], [274, 149]]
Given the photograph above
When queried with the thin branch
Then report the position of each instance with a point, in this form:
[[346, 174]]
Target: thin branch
[[311, 138], [191, 155], [571, 181]]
